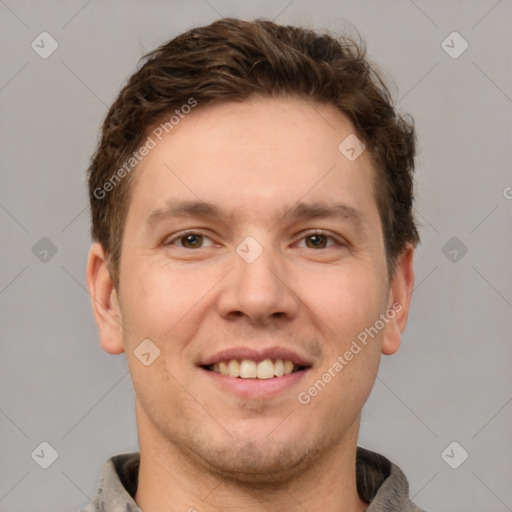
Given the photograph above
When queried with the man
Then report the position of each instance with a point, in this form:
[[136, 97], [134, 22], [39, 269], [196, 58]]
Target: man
[[251, 203]]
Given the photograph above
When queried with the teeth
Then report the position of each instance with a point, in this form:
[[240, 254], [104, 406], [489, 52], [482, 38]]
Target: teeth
[[248, 369], [234, 368], [265, 369], [223, 368]]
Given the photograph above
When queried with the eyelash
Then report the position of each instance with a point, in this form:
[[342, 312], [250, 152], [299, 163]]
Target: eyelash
[[303, 237]]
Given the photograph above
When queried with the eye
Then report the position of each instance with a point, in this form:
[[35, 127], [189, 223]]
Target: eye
[[318, 240], [189, 240]]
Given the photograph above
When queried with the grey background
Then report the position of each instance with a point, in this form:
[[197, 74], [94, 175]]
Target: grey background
[[450, 381]]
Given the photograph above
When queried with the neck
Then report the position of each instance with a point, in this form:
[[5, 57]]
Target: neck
[[171, 480]]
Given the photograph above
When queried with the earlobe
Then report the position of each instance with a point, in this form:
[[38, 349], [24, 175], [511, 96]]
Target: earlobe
[[400, 295], [104, 301]]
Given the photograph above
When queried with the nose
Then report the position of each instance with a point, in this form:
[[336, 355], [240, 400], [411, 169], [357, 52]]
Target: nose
[[259, 290]]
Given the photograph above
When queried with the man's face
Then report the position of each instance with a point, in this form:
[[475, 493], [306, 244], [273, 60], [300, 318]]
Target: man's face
[[196, 286]]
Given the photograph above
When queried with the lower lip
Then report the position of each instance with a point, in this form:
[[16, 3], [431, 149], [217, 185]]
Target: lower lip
[[256, 388]]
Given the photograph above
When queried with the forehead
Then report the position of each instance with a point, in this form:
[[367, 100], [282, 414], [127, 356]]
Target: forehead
[[254, 157]]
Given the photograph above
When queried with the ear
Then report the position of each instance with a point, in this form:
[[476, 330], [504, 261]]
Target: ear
[[399, 301], [104, 301]]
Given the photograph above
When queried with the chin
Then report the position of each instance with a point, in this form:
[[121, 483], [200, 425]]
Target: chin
[[252, 468], [267, 464]]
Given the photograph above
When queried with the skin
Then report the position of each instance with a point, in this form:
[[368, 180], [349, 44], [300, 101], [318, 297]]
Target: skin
[[204, 447]]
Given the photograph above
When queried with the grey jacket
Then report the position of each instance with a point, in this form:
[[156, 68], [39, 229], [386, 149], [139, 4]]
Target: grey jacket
[[379, 482]]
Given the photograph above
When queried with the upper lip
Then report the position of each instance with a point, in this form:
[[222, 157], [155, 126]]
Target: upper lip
[[255, 355]]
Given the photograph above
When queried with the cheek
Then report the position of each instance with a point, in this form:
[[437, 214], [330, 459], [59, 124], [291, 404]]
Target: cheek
[[348, 301], [351, 305], [158, 391], [158, 298]]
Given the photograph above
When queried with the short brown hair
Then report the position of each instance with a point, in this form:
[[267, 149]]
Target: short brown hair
[[233, 60]]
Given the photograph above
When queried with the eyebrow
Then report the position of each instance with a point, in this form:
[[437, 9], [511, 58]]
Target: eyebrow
[[182, 208], [302, 210], [320, 210]]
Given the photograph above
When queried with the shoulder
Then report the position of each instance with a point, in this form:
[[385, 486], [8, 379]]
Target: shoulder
[[382, 484], [117, 485]]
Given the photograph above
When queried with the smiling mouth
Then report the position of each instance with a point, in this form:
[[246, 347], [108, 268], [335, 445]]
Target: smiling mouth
[[249, 369]]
